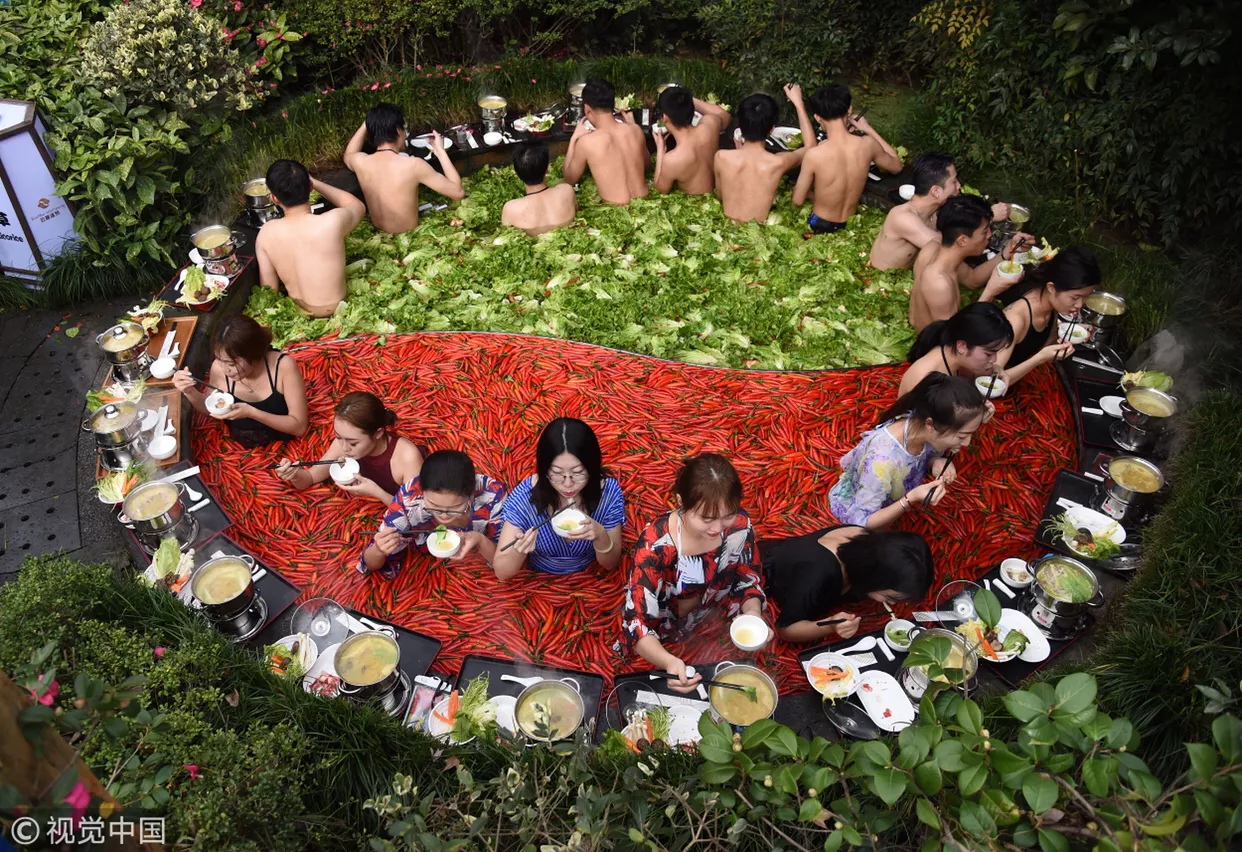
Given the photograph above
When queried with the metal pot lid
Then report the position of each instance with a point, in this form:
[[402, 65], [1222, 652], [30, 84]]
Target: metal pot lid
[[122, 336], [114, 416]]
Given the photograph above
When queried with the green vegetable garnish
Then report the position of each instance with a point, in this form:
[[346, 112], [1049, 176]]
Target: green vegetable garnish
[[474, 712], [899, 635], [167, 558], [1091, 546], [1015, 642], [1149, 379], [661, 723]]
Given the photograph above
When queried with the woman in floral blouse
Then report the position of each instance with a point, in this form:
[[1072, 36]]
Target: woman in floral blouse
[[881, 477], [446, 491], [686, 563]]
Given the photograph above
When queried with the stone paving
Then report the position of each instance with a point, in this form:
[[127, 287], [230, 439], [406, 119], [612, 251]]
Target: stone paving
[[46, 460]]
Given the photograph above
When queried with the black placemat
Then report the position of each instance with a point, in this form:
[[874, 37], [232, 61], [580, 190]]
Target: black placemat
[[1092, 368], [211, 518], [626, 688], [474, 665], [882, 662], [278, 592], [1078, 489], [1094, 428], [1015, 671]]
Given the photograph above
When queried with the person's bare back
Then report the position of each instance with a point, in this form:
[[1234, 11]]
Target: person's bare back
[[390, 179], [691, 163], [747, 179], [303, 251], [935, 294], [542, 211], [616, 154], [906, 230]]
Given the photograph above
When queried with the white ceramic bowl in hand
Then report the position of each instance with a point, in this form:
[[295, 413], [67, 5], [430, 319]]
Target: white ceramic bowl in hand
[[343, 473], [1016, 573], [568, 521], [218, 402], [163, 368], [982, 383], [1076, 333], [898, 624], [749, 632], [906, 191], [446, 548], [162, 447], [1009, 270]]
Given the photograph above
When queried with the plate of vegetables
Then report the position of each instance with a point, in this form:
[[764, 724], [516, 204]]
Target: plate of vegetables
[[199, 288], [536, 124], [112, 488], [789, 138], [1088, 533], [463, 715], [148, 316], [833, 675], [657, 727], [292, 656], [115, 392], [170, 569], [1154, 379]]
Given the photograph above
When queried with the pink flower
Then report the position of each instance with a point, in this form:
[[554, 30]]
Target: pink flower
[[497, 67], [533, 80], [261, 42], [79, 797], [386, 85], [191, 768], [49, 694], [467, 79], [452, 75], [196, 3], [262, 60], [159, 651], [237, 6], [374, 86], [284, 114], [418, 68]]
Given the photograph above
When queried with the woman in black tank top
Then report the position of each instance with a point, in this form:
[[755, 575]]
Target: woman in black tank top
[[1057, 288], [269, 395]]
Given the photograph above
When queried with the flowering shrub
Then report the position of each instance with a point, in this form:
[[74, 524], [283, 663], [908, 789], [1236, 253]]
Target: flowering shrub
[[262, 36], [165, 53]]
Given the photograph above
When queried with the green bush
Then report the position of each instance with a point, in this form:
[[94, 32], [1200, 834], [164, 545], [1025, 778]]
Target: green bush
[[165, 53], [1128, 108]]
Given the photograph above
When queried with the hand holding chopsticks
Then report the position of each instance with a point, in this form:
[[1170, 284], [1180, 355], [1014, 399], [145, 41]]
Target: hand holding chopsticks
[[749, 690], [572, 504], [308, 463]]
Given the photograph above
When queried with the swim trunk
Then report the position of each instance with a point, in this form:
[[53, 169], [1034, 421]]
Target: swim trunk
[[823, 226]]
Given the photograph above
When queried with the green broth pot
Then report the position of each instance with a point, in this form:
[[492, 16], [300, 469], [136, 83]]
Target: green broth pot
[[562, 699], [1053, 599], [914, 679]]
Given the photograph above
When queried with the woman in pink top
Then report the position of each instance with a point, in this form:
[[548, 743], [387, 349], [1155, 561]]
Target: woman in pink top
[[363, 432]]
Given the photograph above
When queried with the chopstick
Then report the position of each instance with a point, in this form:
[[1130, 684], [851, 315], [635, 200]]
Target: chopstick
[[305, 464], [541, 524], [205, 384], [705, 681], [829, 621], [889, 608]]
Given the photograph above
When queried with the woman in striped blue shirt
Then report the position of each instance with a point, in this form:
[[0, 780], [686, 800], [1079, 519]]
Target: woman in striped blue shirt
[[570, 471]]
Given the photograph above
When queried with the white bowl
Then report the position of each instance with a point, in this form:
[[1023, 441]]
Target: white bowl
[[308, 651], [902, 624], [214, 400], [344, 473], [1010, 276], [451, 546], [1022, 257], [1077, 333], [162, 447], [749, 632], [982, 382], [906, 191], [568, 517], [1012, 570], [150, 418], [1111, 405], [437, 728], [163, 368], [493, 138]]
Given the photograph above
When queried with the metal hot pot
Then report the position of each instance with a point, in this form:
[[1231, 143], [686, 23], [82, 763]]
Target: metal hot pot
[[1067, 611], [125, 347], [260, 208], [567, 689], [155, 508], [118, 435], [218, 607], [378, 689], [575, 103], [492, 108], [217, 245], [1122, 503], [1104, 312], [915, 679], [731, 666]]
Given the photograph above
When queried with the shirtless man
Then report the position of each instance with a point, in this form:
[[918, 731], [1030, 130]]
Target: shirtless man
[[544, 208], [303, 251], [615, 151], [836, 171], [747, 178], [965, 226], [690, 163], [389, 177], [910, 226]]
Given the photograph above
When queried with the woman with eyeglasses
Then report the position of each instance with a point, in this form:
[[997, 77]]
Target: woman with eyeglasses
[[447, 492], [688, 563], [570, 473]]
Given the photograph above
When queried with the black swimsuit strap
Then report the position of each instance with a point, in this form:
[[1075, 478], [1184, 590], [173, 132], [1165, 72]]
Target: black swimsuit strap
[[945, 358]]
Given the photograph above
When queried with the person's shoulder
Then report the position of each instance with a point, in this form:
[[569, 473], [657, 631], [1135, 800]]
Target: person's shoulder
[[611, 489]]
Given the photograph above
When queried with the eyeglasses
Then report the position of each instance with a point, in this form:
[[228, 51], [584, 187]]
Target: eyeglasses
[[558, 476], [440, 510]]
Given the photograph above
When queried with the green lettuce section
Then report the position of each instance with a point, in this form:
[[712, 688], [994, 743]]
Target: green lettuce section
[[667, 276]]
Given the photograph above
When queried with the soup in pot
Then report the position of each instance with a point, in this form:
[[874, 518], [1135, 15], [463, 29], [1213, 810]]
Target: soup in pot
[[493, 102], [1019, 216], [151, 501], [1150, 402], [549, 712], [575, 90], [368, 659], [211, 238], [735, 706], [257, 188], [119, 340], [221, 581], [1134, 476], [1065, 582], [1105, 305]]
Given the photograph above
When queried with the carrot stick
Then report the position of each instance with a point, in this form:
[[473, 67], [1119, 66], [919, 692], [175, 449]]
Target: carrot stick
[[650, 730], [629, 742]]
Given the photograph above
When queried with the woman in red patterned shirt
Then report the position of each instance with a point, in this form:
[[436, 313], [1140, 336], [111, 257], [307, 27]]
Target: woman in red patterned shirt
[[687, 562]]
